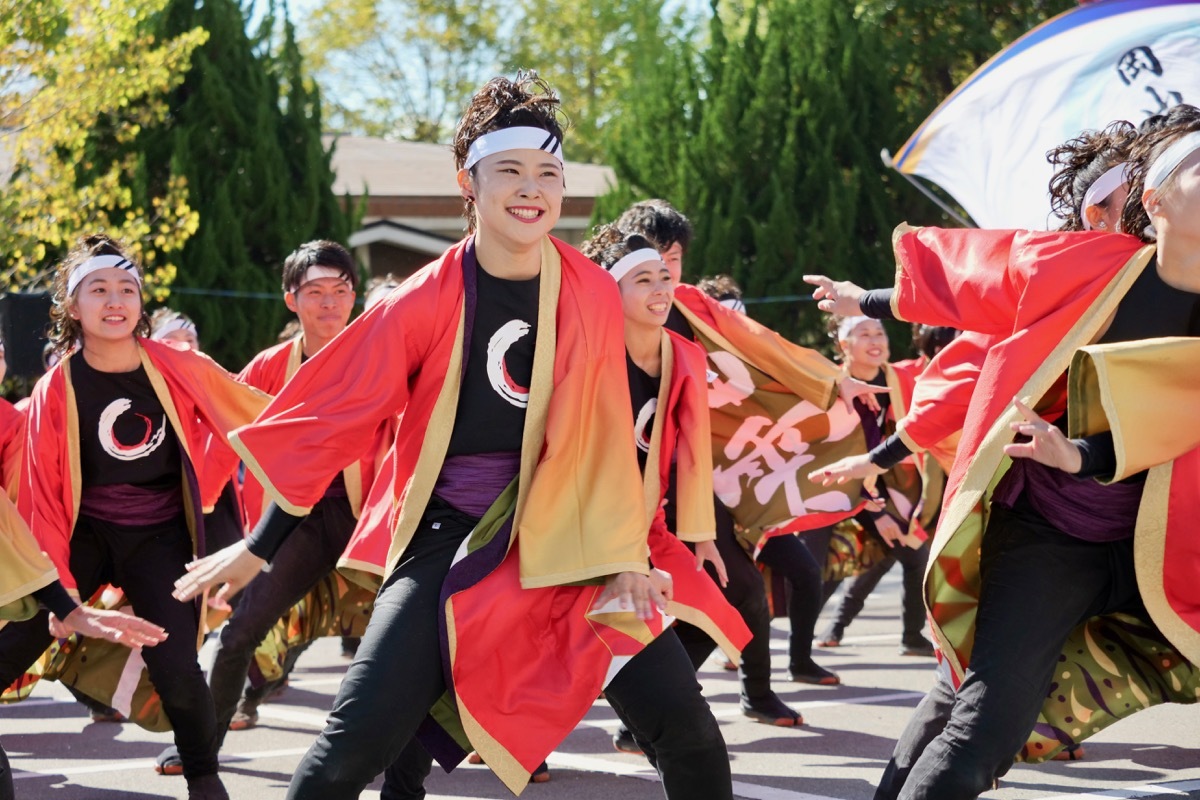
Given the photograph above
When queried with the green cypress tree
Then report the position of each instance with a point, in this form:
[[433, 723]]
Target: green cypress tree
[[780, 171], [245, 129]]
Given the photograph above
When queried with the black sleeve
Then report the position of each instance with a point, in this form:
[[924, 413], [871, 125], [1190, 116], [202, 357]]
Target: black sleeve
[[271, 531], [1099, 456], [55, 598], [890, 452], [877, 304]]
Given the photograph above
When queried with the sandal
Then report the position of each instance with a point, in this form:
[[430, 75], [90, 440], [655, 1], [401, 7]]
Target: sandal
[[168, 762], [770, 710], [1072, 752]]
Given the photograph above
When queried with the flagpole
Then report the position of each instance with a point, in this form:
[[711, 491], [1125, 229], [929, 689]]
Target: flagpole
[[887, 162]]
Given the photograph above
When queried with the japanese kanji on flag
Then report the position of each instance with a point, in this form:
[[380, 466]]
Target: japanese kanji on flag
[[773, 421], [1103, 61]]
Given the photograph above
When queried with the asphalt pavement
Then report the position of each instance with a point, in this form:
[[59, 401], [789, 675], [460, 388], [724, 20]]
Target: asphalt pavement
[[59, 754]]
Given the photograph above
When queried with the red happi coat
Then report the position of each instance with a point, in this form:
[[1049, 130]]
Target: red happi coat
[[577, 516], [941, 395], [199, 398], [681, 438], [504, 618], [904, 483], [1043, 296], [269, 371], [12, 448]]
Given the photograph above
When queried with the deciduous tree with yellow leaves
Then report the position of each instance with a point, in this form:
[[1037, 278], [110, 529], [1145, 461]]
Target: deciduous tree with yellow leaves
[[70, 68]]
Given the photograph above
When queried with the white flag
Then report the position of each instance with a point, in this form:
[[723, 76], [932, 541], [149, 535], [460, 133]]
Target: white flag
[[986, 143]]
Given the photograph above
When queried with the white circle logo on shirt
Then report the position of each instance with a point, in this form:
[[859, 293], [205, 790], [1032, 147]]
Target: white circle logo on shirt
[[643, 424], [497, 371], [150, 441]]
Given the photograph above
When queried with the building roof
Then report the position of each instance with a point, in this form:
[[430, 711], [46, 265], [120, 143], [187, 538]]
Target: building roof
[[387, 168]]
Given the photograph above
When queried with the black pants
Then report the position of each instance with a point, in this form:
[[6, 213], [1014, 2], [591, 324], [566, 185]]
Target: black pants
[[305, 557], [746, 593], [912, 603], [144, 561], [786, 555], [817, 543], [1038, 583], [6, 781], [397, 676]]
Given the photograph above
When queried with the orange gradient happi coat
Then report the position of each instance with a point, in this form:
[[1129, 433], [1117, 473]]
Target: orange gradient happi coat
[[578, 513]]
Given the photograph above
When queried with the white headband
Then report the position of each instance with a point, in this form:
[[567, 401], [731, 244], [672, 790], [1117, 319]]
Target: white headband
[[96, 263], [626, 264], [522, 138], [1165, 164], [1100, 190], [735, 303], [315, 273], [849, 324], [173, 325]]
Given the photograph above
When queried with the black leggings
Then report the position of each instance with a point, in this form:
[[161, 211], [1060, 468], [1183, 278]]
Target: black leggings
[[6, 781], [302, 560], [1037, 584], [787, 556], [397, 676], [747, 593], [913, 601], [145, 562]]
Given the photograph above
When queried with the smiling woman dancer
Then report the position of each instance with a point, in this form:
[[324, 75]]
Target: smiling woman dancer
[[28, 580], [1056, 541], [507, 359], [109, 487]]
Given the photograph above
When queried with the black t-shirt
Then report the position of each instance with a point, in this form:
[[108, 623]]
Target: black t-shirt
[[677, 323], [643, 391], [125, 436], [875, 422], [1151, 309], [495, 390]]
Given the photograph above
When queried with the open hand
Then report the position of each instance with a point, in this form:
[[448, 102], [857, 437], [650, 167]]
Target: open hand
[[635, 592], [115, 626], [847, 469], [1047, 444], [836, 297], [707, 551], [235, 566], [850, 389]]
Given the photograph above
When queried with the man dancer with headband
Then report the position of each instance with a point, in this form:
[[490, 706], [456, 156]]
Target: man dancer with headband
[[319, 282]]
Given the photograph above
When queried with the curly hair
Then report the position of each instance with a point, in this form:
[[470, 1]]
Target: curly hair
[[1080, 162], [609, 244], [65, 331], [720, 287], [526, 101], [658, 220], [1156, 135]]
